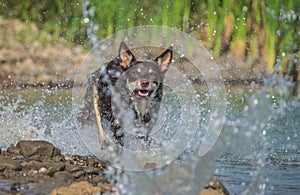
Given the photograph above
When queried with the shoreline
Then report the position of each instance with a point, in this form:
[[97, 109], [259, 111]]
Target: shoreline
[[34, 166], [70, 84]]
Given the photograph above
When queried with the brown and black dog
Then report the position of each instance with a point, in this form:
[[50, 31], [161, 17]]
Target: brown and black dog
[[124, 95]]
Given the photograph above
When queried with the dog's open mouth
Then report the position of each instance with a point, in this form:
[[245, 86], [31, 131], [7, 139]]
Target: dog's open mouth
[[142, 93]]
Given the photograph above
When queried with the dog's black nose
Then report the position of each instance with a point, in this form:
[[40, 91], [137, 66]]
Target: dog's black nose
[[144, 83]]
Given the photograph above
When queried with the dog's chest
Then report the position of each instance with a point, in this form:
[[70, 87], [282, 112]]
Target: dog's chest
[[141, 105]]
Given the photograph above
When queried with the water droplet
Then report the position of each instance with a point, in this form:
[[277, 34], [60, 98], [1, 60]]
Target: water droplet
[[86, 20], [278, 32], [255, 101], [235, 130], [103, 47]]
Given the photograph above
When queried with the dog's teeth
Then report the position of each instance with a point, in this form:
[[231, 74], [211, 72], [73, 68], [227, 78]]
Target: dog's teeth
[[143, 94]]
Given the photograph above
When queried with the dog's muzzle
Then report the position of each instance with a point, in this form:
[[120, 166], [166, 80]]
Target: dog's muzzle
[[142, 92]]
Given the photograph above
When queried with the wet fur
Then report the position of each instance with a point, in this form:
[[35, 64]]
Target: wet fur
[[126, 93]]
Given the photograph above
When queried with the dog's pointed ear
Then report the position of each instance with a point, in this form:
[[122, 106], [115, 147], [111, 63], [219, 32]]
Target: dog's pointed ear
[[165, 59], [125, 55]]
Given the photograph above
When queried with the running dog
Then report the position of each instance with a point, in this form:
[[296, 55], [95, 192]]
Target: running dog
[[125, 93]]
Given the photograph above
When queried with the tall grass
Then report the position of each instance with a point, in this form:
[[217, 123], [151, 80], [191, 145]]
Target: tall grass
[[238, 45], [289, 36], [249, 29], [271, 22], [55, 18], [254, 22]]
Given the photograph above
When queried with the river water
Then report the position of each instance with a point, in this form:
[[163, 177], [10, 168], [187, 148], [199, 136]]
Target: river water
[[258, 150]]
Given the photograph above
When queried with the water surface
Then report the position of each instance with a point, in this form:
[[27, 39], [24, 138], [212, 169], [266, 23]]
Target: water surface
[[268, 159]]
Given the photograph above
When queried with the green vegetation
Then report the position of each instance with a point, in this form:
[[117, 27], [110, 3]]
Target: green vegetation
[[56, 18], [249, 29]]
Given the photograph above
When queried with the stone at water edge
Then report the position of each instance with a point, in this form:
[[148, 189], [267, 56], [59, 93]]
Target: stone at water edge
[[13, 150], [214, 187], [63, 175], [9, 164], [37, 149], [82, 187]]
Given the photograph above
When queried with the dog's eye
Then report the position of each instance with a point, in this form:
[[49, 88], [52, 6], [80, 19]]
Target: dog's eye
[[131, 76], [155, 83]]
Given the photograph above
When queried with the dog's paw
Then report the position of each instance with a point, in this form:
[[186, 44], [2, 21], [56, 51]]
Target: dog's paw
[[150, 166], [104, 144]]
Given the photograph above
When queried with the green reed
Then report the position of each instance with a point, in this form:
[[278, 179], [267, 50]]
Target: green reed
[[249, 29], [288, 38], [55, 19], [254, 21], [271, 23], [240, 29], [212, 21]]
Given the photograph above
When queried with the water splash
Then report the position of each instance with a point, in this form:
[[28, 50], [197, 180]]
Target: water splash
[[246, 145], [260, 136], [38, 114], [260, 140]]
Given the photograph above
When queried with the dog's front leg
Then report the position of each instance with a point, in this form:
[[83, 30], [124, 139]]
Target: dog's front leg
[[101, 135]]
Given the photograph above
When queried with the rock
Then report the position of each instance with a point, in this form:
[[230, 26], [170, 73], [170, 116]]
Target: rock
[[79, 174], [106, 186], [210, 191], [214, 187], [33, 172], [13, 150], [98, 179], [79, 160], [32, 167], [150, 166], [68, 158], [38, 165], [7, 163], [43, 170], [82, 187], [63, 175], [10, 173], [92, 161], [57, 158], [92, 170], [33, 164], [72, 168], [53, 169], [37, 149]]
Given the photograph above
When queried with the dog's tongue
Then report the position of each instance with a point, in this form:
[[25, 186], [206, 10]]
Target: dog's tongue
[[143, 93]]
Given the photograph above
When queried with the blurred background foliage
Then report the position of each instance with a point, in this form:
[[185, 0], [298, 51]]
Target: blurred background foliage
[[250, 29]]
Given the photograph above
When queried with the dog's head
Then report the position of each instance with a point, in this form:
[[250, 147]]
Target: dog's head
[[144, 77], [138, 90]]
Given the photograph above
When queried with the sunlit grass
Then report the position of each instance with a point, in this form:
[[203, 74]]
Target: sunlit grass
[[249, 29], [253, 22]]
